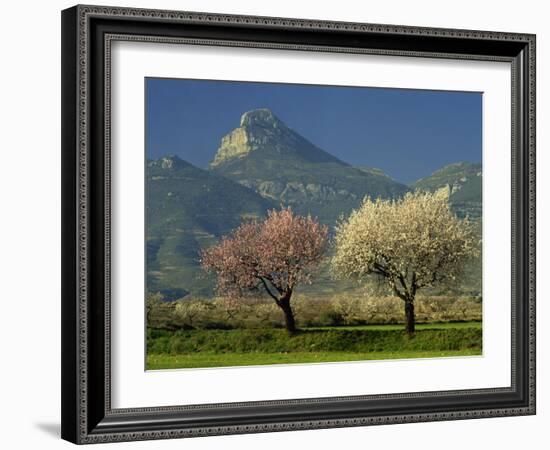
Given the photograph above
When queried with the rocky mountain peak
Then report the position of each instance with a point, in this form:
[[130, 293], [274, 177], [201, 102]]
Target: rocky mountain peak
[[262, 133], [168, 162], [262, 117]]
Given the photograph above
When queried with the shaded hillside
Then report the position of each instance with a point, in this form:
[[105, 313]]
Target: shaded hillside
[[189, 208]]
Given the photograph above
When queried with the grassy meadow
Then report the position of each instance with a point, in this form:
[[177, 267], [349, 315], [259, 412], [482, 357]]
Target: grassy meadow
[[195, 348]]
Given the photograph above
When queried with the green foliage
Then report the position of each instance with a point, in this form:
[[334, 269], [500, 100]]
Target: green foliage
[[157, 361], [331, 318], [317, 340]]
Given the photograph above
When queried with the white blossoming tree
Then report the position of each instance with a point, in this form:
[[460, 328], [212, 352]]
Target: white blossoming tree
[[411, 243]]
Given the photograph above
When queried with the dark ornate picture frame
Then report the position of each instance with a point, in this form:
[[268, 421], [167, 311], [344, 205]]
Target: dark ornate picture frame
[[87, 34]]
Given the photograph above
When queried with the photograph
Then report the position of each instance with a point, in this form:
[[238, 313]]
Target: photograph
[[301, 223]]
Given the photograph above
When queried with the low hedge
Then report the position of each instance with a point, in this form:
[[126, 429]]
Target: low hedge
[[279, 341]]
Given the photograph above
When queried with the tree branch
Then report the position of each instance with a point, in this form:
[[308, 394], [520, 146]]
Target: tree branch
[[435, 274], [269, 290], [404, 284], [399, 293], [381, 270]]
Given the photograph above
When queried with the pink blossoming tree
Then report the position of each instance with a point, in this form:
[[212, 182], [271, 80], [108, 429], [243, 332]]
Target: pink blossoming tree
[[274, 255]]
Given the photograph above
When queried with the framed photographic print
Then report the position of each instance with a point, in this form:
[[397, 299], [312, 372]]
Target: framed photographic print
[[256, 207]]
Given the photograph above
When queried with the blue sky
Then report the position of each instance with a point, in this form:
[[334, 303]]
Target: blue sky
[[407, 133]]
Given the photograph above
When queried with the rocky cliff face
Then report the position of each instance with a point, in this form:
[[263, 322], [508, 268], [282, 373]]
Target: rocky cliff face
[[268, 157], [233, 145], [261, 130]]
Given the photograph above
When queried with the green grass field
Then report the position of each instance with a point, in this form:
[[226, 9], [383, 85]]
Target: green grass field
[[247, 347], [198, 360], [399, 327]]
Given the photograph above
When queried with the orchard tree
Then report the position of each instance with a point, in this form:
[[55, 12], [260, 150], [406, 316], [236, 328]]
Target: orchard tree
[[274, 255], [411, 243]]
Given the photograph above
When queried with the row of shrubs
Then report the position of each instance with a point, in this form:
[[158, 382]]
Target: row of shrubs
[[327, 340], [344, 309]]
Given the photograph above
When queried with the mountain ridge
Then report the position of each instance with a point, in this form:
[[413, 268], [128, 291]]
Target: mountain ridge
[[463, 180], [268, 157], [189, 208], [263, 164]]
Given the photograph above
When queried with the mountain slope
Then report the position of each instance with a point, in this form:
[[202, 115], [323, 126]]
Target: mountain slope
[[464, 182], [374, 171], [282, 166], [454, 175], [189, 208], [261, 131]]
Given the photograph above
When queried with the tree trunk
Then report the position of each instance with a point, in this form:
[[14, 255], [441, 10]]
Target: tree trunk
[[290, 324], [409, 313]]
